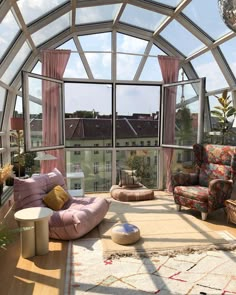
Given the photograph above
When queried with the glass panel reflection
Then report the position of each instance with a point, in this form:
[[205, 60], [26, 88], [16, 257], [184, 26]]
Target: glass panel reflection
[[181, 123], [96, 166]]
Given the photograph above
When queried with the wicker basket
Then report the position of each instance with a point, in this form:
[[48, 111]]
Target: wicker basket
[[231, 210]]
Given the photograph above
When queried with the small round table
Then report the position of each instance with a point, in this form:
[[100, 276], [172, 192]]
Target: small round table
[[34, 232]]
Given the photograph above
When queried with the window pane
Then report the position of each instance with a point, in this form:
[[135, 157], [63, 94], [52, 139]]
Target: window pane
[[228, 49], [88, 114], [185, 123], [137, 109], [3, 93], [31, 10], [100, 64], [45, 125], [96, 42], [144, 162], [168, 2], [95, 166], [51, 30], [207, 18], [206, 66], [183, 160], [16, 63], [8, 31], [144, 18], [152, 70], [75, 67], [178, 39], [96, 14]]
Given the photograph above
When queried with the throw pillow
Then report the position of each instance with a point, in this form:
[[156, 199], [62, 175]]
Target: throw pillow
[[56, 198], [127, 177]]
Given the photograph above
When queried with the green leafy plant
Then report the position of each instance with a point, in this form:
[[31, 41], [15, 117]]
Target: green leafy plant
[[223, 112]]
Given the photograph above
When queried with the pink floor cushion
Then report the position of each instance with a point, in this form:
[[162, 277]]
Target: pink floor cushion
[[74, 219], [131, 194], [80, 217]]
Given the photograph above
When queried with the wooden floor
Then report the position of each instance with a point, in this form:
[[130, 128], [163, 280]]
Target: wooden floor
[[45, 275]]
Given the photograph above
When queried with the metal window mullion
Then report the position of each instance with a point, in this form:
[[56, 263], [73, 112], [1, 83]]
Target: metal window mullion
[[143, 61], [83, 58], [224, 67]]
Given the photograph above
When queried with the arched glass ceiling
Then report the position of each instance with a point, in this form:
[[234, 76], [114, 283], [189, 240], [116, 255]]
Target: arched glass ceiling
[[108, 37]]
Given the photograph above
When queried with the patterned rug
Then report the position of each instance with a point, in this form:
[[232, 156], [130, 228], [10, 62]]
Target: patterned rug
[[210, 272]]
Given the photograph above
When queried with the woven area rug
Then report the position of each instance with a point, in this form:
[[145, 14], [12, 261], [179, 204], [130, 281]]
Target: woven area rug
[[163, 230]]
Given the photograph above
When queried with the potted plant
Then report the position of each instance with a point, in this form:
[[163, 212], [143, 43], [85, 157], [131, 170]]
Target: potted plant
[[223, 112]]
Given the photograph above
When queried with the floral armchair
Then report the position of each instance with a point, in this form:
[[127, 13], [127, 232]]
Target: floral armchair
[[207, 189]]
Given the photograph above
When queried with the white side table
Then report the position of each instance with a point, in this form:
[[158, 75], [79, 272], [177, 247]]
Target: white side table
[[34, 232], [76, 175]]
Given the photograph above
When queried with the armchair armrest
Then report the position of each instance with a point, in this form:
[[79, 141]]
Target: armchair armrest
[[182, 178], [219, 191]]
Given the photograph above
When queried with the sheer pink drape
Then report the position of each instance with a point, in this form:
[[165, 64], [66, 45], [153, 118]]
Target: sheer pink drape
[[53, 65], [170, 69]]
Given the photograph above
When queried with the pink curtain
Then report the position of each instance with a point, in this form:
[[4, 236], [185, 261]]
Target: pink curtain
[[53, 65], [170, 69]]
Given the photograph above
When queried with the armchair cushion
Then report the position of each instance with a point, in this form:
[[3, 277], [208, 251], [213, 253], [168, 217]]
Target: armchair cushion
[[195, 192], [210, 171]]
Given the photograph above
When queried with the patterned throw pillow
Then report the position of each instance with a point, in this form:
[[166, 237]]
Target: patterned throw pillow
[[128, 178]]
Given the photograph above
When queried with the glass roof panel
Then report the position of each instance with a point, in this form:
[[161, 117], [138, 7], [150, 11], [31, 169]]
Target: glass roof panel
[[206, 66], [128, 44], [206, 15], [32, 10], [96, 14], [51, 29], [37, 68], [180, 37], [127, 66], [228, 49], [75, 67], [142, 18], [151, 70], [100, 64], [8, 31], [16, 63], [96, 42], [69, 45], [173, 3]]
